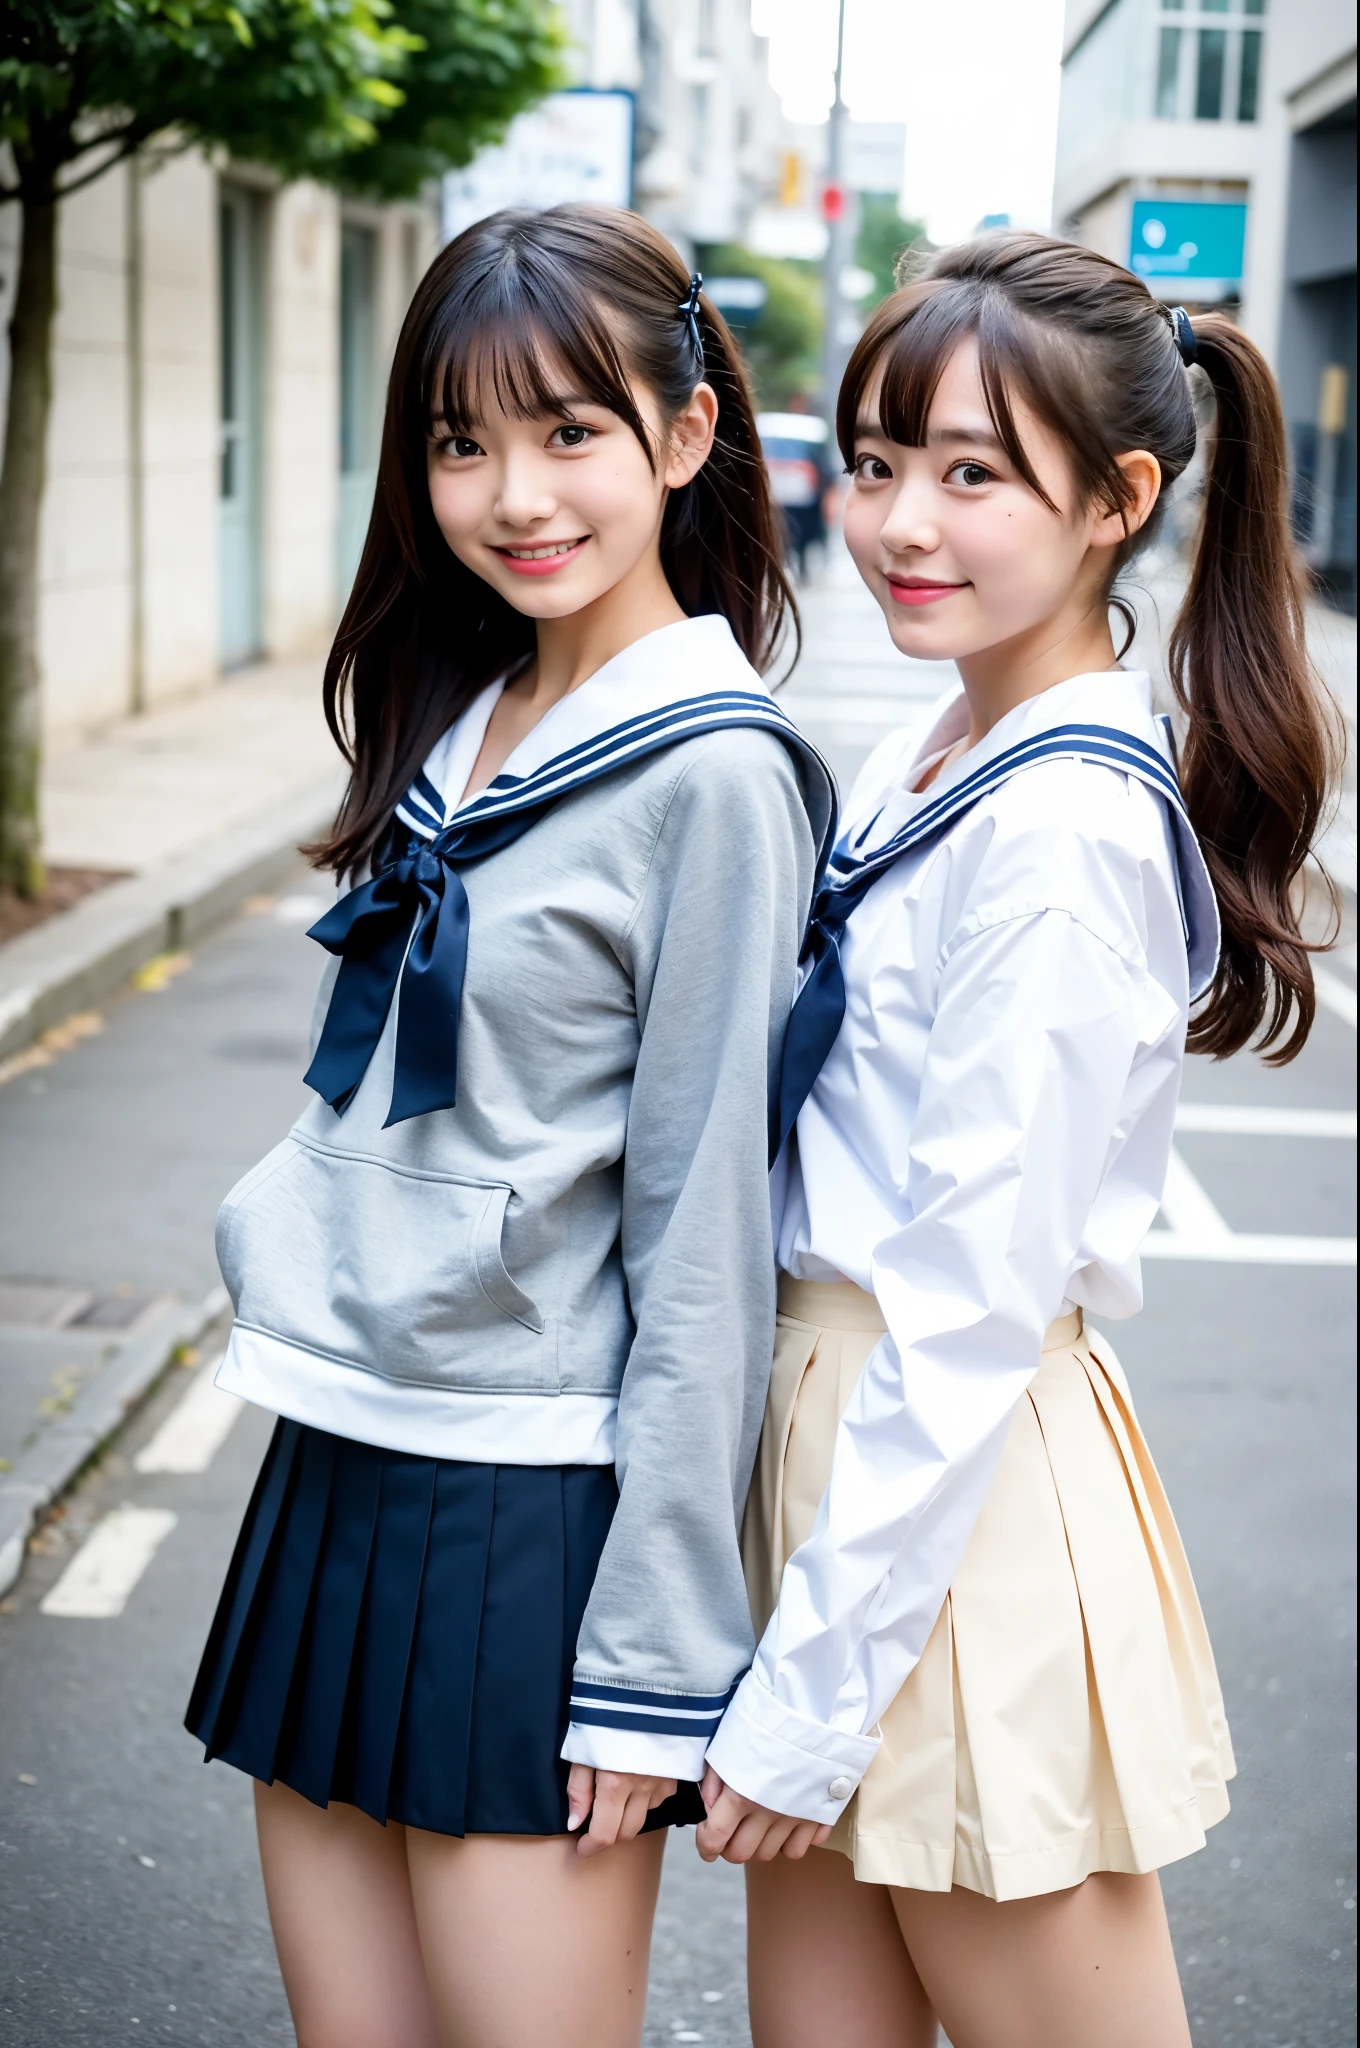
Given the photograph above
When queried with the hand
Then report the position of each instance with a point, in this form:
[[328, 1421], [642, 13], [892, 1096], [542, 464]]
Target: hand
[[738, 1829], [618, 1803]]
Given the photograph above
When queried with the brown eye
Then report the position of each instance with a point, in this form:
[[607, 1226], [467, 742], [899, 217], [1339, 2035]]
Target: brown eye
[[972, 475], [872, 469]]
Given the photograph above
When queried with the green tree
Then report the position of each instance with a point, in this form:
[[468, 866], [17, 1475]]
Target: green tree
[[782, 346], [361, 93], [883, 236]]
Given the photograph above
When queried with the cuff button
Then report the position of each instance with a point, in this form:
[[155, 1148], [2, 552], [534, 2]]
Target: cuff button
[[840, 1788]]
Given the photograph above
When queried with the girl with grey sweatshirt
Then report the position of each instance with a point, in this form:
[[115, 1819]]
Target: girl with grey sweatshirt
[[508, 1282]]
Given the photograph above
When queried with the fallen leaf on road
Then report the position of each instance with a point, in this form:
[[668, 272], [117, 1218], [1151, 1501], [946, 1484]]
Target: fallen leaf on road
[[159, 970]]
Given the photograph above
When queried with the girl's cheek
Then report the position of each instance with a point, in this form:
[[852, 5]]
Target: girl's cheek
[[862, 525]]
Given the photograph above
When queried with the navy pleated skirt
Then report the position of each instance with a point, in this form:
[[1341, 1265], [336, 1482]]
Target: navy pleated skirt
[[398, 1633]]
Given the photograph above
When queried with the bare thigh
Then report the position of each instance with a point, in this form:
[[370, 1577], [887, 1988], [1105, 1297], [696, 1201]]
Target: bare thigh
[[344, 1924], [526, 1941], [1062, 1971], [826, 1961]]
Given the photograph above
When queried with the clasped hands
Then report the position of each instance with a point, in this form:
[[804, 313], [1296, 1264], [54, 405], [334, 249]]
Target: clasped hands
[[616, 1805]]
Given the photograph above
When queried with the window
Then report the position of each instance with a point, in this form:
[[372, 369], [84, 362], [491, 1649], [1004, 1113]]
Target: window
[[1169, 74], [1249, 77], [1213, 55], [1209, 60]]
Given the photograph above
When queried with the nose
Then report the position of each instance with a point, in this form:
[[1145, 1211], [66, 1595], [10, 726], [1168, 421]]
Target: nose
[[911, 522], [524, 497]]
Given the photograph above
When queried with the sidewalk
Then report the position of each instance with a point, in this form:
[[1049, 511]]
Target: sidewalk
[[199, 804]]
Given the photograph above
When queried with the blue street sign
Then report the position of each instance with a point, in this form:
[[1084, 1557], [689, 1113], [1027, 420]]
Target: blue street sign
[[1185, 238]]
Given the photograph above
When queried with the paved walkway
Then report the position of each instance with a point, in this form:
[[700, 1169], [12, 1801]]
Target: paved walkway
[[151, 789]]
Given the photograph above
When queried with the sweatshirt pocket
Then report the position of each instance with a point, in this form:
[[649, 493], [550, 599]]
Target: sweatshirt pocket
[[395, 1269]]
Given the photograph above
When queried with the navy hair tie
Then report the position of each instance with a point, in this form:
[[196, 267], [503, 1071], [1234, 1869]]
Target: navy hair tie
[[1186, 345], [688, 309]]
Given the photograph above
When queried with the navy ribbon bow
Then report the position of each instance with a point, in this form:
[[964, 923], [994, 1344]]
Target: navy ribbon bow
[[820, 1008], [369, 930], [419, 897]]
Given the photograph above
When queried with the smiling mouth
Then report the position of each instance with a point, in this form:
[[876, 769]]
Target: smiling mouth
[[543, 559], [916, 590]]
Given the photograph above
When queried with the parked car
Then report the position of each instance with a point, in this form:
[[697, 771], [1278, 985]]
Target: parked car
[[796, 447]]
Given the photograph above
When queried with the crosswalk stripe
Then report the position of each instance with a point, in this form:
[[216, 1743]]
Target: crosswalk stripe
[[194, 1431], [97, 1582], [1247, 1248], [1255, 1120], [1199, 1231]]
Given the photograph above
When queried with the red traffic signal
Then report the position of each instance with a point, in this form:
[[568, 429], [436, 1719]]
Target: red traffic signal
[[833, 202]]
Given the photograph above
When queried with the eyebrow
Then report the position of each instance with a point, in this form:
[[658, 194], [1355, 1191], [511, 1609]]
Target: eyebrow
[[965, 437]]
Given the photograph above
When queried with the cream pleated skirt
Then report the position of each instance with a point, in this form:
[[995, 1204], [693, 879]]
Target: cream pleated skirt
[[1065, 1716]]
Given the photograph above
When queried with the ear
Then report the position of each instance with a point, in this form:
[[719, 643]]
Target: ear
[[691, 437], [1143, 477]]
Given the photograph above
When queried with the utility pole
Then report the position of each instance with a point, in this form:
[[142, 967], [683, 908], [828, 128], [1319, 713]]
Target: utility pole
[[836, 214]]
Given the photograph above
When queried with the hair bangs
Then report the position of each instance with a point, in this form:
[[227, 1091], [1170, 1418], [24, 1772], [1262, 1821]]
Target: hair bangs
[[907, 346], [527, 346]]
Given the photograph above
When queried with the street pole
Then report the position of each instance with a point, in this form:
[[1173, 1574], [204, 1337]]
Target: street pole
[[835, 211]]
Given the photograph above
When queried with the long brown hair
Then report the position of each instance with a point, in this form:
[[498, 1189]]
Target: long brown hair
[[508, 306], [1086, 347]]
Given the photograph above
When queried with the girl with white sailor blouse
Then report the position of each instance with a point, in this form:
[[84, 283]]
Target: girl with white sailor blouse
[[985, 1701], [509, 1281]]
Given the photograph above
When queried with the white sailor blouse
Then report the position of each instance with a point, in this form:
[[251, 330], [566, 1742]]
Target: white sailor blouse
[[983, 1149]]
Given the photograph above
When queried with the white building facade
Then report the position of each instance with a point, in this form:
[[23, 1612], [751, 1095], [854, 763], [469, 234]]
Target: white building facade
[[220, 349], [709, 137], [1210, 145]]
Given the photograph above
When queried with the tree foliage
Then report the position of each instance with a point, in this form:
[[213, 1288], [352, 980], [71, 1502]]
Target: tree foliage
[[359, 92], [782, 346], [883, 236]]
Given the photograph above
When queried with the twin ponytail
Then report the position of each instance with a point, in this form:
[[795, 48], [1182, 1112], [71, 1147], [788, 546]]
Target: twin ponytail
[[1258, 755], [1085, 346]]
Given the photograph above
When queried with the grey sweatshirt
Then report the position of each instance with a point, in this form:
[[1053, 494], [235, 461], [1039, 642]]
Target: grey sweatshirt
[[591, 1223]]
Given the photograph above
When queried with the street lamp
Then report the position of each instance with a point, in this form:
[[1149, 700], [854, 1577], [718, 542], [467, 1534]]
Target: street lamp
[[836, 213]]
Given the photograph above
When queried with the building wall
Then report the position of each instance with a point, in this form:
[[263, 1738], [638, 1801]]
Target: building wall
[[84, 601], [138, 261], [301, 391], [1308, 73], [179, 430], [1113, 146]]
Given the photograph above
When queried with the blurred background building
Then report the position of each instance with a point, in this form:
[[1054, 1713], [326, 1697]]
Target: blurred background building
[[220, 349], [1210, 145]]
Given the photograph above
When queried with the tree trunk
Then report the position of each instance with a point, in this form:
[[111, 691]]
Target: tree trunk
[[21, 493]]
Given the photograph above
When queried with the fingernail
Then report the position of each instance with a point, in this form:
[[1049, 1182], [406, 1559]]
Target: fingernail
[[573, 1822]]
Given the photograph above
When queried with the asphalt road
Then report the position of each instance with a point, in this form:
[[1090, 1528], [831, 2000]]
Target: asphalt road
[[130, 1902]]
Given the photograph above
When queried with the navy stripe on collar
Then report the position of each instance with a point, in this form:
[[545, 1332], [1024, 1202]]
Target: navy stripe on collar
[[589, 757]]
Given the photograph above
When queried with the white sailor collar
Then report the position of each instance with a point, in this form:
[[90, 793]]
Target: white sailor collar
[[1118, 698], [670, 666]]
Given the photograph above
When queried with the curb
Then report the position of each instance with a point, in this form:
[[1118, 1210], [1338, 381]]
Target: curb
[[83, 954], [103, 1406]]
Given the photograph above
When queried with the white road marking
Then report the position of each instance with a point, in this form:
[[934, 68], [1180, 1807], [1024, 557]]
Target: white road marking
[[299, 910], [1187, 1207], [97, 1582], [1254, 1120], [1335, 994], [1242, 1248], [194, 1431], [1198, 1231]]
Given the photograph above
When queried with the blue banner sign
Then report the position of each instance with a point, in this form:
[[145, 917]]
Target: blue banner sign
[[1182, 238]]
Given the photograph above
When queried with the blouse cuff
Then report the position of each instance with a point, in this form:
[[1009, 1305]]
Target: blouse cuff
[[786, 1761], [629, 1728]]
